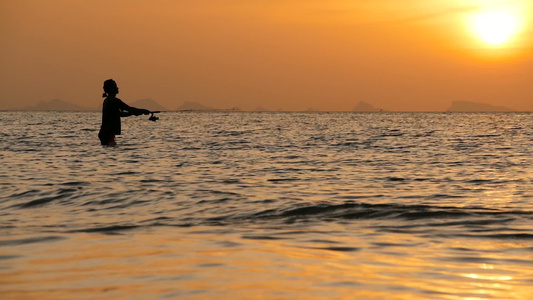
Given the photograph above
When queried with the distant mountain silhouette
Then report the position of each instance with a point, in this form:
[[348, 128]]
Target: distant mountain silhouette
[[56, 105], [189, 105], [365, 107], [149, 104], [260, 108], [468, 106]]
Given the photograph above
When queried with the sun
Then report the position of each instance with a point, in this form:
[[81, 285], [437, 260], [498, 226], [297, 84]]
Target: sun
[[495, 27]]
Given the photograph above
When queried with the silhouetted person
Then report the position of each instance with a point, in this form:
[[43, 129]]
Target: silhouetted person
[[113, 108]]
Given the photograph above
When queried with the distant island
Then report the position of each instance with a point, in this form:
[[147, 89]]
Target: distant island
[[189, 105], [261, 109], [468, 106], [61, 105], [149, 104], [365, 107], [57, 105]]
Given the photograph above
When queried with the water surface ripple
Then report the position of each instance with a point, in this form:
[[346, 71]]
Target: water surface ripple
[[268, 205]]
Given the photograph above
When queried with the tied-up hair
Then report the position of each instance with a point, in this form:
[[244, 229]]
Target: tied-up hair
[[110, 86]]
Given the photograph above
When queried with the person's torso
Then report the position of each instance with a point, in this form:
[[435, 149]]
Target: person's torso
[[111, 115]]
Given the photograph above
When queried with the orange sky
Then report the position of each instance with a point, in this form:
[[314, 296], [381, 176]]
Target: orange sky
[[278, 54]]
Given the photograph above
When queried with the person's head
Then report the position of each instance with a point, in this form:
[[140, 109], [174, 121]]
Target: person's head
[[110, 88]]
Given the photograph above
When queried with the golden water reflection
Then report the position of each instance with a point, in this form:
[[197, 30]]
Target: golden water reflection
[[212, 262]]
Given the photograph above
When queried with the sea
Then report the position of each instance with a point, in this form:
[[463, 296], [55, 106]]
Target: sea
[[267, 205]]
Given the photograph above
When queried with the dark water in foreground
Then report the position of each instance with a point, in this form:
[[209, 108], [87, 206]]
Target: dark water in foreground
[[267, 206]]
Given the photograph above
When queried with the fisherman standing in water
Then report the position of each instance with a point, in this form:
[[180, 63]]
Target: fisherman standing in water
[[113, 109]]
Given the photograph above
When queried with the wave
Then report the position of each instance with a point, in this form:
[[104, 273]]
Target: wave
[[433, 222], [33, 240], [385, 211]]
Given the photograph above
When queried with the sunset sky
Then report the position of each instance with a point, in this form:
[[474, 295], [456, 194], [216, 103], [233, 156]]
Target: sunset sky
[[405, 55]]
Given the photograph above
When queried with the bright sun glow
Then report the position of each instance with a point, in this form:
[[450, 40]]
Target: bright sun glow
[[495, 27]]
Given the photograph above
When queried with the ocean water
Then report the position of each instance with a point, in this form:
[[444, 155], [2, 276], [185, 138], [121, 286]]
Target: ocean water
[[267, 206]]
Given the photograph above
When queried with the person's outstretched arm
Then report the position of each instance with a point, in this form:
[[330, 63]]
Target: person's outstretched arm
[[126, 110], [133, 111]]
